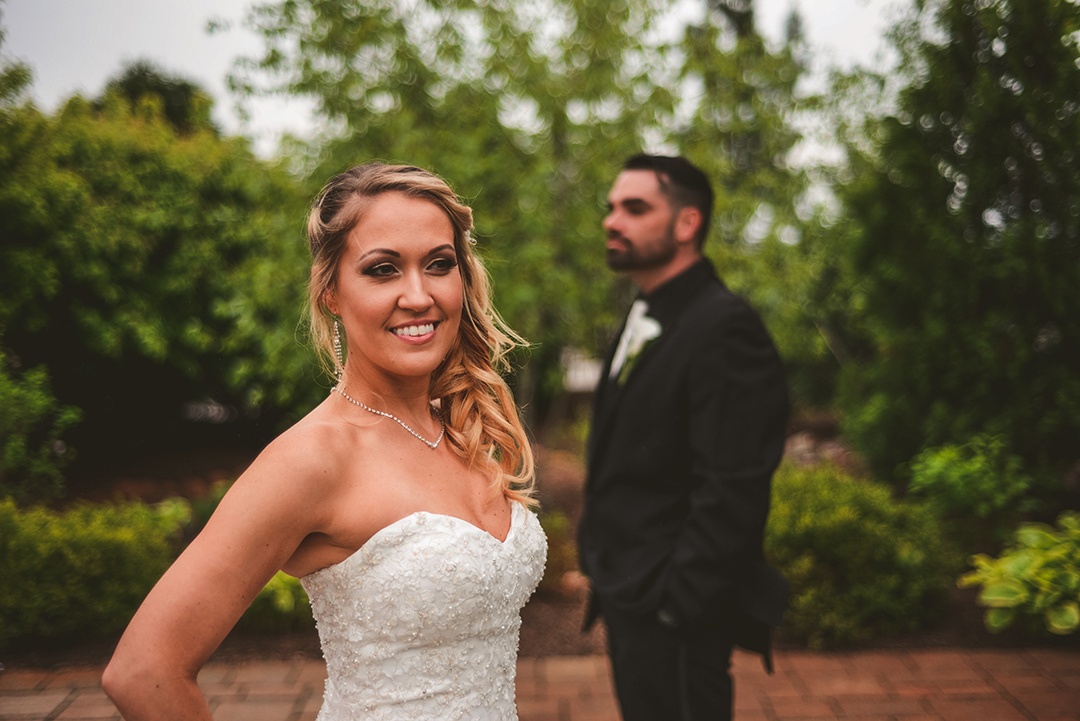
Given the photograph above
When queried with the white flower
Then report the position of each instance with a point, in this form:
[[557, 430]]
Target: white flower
[[643, 331]]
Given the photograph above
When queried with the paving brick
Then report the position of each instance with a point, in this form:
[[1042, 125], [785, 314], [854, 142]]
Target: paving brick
[[894, 667], [1055, 660], [744, 715], [1015, 662], [593, 708], [915, 689], [273, 710], [802, 708], [90, 706], [878, 706], [966, 687], [574, 668], [1015, 684], [1043, 703], [942, 666], [841, 683], [776, 685], [264, 673], [23, 679], [990, 709], [745, 701], [38, 705], [921, 685], [217, 673], [312, 672], [76, 677], [546, 709], [529, 688], [568, 689], [812, 663]]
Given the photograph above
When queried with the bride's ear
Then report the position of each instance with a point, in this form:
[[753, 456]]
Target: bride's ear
[[329, 303]]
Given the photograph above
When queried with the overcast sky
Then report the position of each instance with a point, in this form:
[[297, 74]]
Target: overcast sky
[[74, 46]]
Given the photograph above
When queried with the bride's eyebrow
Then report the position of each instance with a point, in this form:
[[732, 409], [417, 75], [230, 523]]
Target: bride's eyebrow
[[379, 251]]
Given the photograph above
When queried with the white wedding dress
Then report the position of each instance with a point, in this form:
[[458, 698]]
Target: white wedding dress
[[422, 621]]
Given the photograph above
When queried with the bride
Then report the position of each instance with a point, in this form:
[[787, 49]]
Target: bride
[[399, 501]]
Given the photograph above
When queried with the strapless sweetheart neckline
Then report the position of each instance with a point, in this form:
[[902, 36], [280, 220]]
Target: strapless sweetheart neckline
[[390, 528]]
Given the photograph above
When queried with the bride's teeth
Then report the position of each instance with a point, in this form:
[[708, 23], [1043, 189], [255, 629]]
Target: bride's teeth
[[414, 330]]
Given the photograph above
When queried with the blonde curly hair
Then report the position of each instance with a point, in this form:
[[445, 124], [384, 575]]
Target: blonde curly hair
[[482, 423]]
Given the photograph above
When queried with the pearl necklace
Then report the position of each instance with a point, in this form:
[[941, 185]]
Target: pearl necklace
[[430, 444]]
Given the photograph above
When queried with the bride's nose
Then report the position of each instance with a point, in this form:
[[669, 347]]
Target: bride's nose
[[415, 295]]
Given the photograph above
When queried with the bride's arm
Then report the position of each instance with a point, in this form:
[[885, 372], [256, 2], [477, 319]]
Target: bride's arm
[[270, 509]]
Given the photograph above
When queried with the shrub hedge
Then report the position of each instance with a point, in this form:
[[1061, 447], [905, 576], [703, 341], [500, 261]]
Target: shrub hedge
[[80, 574], [861, 564]]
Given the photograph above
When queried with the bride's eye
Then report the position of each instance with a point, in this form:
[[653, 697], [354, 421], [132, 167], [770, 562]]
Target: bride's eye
[[380, 270], [443, 265]]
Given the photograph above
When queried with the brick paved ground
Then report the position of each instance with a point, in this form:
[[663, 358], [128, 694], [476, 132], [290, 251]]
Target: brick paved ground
[[902, 685]]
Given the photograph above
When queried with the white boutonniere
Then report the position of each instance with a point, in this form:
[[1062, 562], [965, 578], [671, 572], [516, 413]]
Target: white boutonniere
[[644, 331]]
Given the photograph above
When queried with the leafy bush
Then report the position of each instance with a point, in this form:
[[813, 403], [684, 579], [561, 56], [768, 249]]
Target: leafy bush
[[979, 486], [133, 256], [32, 455], [1038, 576], [860, 563], [204, 507], [562, 550], [281, 606], [81, 573]]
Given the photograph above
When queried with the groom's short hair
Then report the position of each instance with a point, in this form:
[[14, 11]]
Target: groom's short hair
[[682, 182]]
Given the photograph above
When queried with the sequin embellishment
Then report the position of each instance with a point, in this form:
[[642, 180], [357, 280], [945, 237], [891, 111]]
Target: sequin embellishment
[[422, 621]]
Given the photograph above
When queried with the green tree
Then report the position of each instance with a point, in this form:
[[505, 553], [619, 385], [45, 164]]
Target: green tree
[[526, 108], [185, 104], [148, 269], [529, 109], [741, 133], [965, 237]]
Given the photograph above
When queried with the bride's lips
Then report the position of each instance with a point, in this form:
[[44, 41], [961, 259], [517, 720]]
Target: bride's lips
[[416, 332]]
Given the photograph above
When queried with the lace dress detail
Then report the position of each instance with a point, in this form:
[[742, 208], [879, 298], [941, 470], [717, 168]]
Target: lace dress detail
[[422, 621]]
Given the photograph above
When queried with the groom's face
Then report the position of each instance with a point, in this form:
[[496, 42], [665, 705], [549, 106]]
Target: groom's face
[[640, 223]]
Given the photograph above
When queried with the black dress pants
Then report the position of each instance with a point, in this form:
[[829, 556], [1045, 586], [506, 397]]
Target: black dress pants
[[662, 674]]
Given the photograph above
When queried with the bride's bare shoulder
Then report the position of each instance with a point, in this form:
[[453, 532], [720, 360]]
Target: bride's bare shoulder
[[319, 448]]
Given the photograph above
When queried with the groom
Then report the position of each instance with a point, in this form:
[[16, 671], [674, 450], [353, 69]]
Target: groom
[[688, 426]]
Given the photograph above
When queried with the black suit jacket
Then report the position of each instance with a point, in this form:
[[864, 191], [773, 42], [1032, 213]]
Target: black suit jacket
[[680, 461]]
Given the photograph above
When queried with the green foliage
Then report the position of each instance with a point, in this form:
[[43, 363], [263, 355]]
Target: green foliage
[[860, 563], [184, 104], [979, 481], [82, 573], [529, 109], [964, 237], [203, 508], [148, 269], [32, 454], [281, 606], [562, 550], [1038, 577]]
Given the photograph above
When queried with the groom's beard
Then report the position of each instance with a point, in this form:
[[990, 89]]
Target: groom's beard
[[641, 255]]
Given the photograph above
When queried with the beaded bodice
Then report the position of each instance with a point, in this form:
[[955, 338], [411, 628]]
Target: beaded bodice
[[422, 621]]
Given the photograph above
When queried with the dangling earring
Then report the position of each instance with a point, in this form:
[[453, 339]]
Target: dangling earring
[[337, 348]]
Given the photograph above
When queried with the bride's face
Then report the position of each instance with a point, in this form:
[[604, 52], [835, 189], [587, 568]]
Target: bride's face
[[398, 288]]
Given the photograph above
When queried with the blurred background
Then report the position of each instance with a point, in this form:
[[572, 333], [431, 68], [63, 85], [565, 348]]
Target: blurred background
[[897, 193]]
